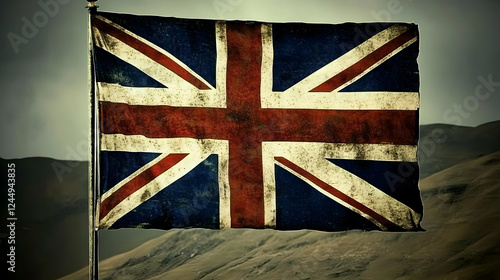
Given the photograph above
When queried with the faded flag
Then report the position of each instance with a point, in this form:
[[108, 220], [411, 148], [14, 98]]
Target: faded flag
[[231, 124]]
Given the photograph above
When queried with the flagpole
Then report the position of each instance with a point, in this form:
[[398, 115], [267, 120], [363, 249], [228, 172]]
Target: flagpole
[[93, 234]]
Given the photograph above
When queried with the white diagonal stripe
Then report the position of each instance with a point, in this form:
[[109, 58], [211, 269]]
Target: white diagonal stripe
[[132, 176], [348, 59], [198, 151], [311, 157], [179, 92], [139, 60], [299, 97], [175, 96], [161, 182], [385, 58], [329, 195]]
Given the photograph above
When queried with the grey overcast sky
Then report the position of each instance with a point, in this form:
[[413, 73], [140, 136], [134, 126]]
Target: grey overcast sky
[[43, 99]]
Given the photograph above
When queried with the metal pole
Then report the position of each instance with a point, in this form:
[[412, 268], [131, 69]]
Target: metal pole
[[93, 234]]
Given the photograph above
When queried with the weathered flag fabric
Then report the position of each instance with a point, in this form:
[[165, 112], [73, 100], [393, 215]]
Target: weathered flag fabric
[[237, 124]]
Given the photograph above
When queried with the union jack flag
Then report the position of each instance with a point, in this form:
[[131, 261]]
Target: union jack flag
[[220, 124]]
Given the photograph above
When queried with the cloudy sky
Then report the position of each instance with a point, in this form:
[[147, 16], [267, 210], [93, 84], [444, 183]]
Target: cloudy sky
[[43, 99]]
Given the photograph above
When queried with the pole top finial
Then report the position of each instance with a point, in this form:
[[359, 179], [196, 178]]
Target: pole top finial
[[92, 6]]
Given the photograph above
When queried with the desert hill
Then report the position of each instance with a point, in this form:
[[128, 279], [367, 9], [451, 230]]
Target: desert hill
[[443, 145]]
